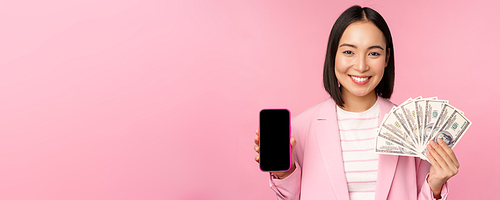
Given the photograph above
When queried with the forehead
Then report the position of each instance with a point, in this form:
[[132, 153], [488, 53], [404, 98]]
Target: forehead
[[363, 34]]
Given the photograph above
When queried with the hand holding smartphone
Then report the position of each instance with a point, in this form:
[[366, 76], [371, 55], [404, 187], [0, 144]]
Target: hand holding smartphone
[[274, 142]]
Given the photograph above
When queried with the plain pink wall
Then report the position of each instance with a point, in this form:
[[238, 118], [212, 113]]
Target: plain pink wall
[[153, 99]]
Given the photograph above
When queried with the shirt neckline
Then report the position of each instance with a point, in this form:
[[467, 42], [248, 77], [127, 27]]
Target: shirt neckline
[[339, 109]]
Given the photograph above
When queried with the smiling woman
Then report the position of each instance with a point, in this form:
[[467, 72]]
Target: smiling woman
[[353, 33], [332, 142]]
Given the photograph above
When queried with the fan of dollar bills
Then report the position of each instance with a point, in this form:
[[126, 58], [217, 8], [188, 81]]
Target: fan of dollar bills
[[408, 128]]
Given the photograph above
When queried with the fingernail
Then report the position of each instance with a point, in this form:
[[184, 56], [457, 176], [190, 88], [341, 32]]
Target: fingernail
[[429, 146], [440, 141], [433, 143], [428, 153]]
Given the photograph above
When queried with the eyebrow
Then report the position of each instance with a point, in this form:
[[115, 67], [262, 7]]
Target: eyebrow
[[354, 46]]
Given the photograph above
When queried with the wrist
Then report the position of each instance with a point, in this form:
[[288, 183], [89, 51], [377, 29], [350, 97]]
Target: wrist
[[436, 193], [435, 188]]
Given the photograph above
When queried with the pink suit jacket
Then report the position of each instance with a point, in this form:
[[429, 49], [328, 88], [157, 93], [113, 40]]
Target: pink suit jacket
[[319, 172]]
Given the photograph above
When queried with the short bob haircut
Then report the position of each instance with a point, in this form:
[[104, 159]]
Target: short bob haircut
[[353, 14]]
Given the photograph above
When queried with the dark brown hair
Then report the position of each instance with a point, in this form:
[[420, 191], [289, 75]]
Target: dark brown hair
[[353, 14]]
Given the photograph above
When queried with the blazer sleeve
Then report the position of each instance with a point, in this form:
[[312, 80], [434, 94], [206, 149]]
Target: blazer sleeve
[[425, 192], [289, 187]]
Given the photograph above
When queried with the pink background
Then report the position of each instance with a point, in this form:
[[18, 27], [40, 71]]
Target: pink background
[[143, 99]]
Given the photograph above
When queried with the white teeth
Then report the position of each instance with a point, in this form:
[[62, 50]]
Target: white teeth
[[359, 79]]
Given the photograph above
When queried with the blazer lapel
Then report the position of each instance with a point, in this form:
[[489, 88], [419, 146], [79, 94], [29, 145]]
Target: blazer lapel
[[329, 145], [386, 163]]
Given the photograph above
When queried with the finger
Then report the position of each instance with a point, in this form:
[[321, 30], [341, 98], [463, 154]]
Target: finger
[[430, 156], [256, 148], [443, 156], [431, 159], [257, 158], [449, 151], [257, 131], [256, 140]]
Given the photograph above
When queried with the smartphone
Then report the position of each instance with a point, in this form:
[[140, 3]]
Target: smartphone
[[274, 143]]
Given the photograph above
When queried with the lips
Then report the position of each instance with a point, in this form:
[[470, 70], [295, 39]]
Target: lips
[[360, 80]]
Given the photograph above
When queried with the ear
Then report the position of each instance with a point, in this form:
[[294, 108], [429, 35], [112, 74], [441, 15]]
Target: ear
[[387, 57]]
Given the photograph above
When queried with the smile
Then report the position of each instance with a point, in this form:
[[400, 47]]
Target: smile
[[360, 80]]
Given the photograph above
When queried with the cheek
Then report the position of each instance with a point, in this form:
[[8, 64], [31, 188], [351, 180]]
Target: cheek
[[341, 65], [378, 66]]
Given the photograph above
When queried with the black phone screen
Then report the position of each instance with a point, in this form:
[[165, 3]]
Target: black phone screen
[[274, 140]]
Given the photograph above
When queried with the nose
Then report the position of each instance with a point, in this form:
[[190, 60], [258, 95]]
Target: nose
[[361, 64]]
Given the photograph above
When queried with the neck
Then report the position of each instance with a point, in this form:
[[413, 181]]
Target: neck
[[354, 103]]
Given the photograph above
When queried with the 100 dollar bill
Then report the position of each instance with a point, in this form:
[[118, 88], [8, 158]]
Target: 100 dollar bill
[[388, 147], [452, 130], [408, 128]]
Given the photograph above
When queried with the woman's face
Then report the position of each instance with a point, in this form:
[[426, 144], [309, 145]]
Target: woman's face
[[360, 59]]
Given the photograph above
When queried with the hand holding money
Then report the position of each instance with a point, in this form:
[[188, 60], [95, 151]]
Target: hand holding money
[[444, 165], [408, 128], [427, 128]]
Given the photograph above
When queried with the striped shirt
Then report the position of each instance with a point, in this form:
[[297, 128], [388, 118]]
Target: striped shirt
[[357, 138]]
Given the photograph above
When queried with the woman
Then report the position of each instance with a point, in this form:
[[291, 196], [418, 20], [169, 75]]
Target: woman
[[332, 142]]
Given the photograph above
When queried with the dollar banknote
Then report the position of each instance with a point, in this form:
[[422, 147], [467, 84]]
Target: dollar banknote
[[452, 130], [409, 113], [409, 127], [388, 147], [420, 106], [432, 112], [419, 109], [392, 124]]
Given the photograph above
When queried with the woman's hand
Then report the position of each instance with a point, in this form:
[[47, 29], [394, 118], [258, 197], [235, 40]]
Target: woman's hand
[[281, 175], [444, 165]]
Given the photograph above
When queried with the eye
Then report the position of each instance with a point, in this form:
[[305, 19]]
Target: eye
[[348, 52], [374, 54]]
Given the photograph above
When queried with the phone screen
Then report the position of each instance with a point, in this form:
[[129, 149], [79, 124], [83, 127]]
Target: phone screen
[[274, 140]]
